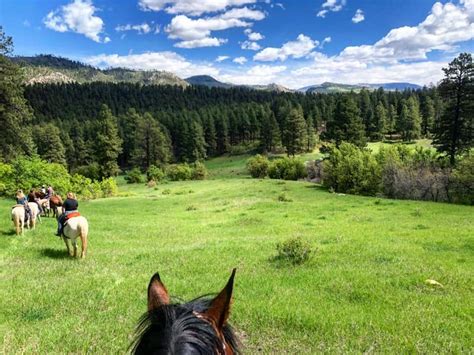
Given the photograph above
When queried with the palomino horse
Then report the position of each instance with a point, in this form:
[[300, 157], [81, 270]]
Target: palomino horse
[[197, 327], [18, 218], [76, 227], [34, 215]]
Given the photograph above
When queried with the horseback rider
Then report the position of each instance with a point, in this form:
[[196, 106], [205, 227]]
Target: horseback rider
[[43, 190], [49, 192], [69, 206], [32, 198], [22, 200]]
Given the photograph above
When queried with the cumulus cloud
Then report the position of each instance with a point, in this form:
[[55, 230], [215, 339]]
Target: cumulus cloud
[[195, 33], [358, 16], [331, 6], [167, 61], [446, 25], [191, 7], [254, 46], [240, 60], [253, 36], [144, 28], [77, 17], [295, 49]]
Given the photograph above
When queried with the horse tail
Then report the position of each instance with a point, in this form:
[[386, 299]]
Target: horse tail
[[17, 221], [83, 228]]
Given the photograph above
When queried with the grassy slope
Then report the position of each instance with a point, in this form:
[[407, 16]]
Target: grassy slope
[[364, 290]]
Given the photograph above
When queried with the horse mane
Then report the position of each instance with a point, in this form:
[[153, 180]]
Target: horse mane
[[175, 329]]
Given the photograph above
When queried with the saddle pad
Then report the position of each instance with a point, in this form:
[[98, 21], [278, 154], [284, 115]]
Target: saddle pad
[[72, 215]]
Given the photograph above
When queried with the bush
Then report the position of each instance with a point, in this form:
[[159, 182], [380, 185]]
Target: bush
[[353, 170], [109, 187], [7, 186], [155, 173], [179, 172], [287, 169], [463, 181], [199, 171], [258, 166], [294, 250], [92, 171], [134, 176]]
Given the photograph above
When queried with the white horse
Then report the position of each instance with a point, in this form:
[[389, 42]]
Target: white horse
[[45, 206], [74, 228], [18, 218], [34, 215]]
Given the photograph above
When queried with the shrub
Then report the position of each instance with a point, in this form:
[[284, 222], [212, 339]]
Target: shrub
[[81, 186], [155, 173], [353, 170], [314, 170], [199, 171], [92, 171], [7, 187], [151, 184], [179, 172], [287, 169], [109, 187], [258, 166], [134, 176], [463, 181], [294, 250]]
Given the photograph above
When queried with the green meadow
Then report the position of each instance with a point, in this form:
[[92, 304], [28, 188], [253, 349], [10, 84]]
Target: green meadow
[[364, 290]]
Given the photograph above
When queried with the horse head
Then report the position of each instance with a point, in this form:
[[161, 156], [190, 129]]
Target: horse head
[[197, 327]]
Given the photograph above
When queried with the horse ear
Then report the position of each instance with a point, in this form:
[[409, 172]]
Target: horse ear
[[219, 310], [157, 293]]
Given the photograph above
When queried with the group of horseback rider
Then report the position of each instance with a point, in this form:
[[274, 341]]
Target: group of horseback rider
[[44, 194]]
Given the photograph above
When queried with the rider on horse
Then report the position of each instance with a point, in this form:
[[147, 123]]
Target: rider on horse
[[22, 200], [32, 198], [69, 206]]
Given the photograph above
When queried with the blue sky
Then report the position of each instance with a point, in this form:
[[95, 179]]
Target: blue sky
[[294, 42]]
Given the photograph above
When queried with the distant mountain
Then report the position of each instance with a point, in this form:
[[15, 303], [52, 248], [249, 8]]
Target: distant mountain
[[207, 80], [270, 87], [51, 69], [328, 87]]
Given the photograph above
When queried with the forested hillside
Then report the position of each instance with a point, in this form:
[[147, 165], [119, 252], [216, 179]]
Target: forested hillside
[[201, 122]]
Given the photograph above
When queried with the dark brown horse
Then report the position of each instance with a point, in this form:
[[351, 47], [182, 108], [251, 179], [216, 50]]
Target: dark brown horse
[[197, 327]]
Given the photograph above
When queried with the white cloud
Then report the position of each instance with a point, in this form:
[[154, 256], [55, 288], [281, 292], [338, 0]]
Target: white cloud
[[197, 32], [358, 16], [167, 61], [191, 7], [325, 40], [331, 5], [253, 46], [253, 36], [445, 26], [144, 28], [77, 17], [257, 75], [221, 58], [240, 60], [295, 49]]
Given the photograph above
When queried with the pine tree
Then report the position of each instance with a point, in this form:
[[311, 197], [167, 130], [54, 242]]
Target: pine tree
[[380, 122], [196, 144], [412, 127], [454, 131], [50, 146], [427, 115], [15, 112], [108, 143], [152, 146], [294, 133], [210, 136], [310, 134], [269, 132], [347, 124]]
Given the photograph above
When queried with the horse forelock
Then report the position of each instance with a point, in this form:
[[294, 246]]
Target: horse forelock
[[176, 329]]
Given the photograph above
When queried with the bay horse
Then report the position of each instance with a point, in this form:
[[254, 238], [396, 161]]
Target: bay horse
[[54, 202], [76, 227], [197, 327], [18, 218]]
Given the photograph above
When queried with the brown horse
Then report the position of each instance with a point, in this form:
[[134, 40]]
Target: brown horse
[[54, 202], [196, 327]]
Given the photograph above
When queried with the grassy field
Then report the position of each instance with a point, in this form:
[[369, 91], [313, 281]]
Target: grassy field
[[364, 290]]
